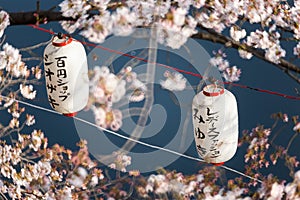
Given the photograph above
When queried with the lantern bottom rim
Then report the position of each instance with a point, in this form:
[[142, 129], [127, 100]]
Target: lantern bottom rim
[[70, 114], [218, 164]]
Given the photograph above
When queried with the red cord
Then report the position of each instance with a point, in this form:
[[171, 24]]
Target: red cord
[[173, 68]]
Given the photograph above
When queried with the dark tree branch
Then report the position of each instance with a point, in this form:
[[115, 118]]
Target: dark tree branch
[[23, 18]]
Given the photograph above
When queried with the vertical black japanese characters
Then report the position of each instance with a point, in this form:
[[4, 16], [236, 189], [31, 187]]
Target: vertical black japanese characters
[[66, 75], [215, 120]]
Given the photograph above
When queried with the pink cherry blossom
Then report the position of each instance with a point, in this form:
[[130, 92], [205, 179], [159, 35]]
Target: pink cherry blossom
[[232, 74]]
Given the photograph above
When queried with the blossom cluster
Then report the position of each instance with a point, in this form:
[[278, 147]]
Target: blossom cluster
[[11, 62], [121, 161], [174, 81], [14, 70], [161, 184], [32, 170], [274, 189], [271, 15], [256, 151], [204, 184], [107, 88], [269, 42], [29, 169], [97, 28], [175, 29], [178, 20], [20, 171], [175, 185], [16, 112], [260, 155], [230, 74]]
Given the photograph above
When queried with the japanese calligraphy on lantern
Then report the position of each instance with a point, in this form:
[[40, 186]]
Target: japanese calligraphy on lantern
[[215, 121], [66, 75], [59, 84], [209, 130]]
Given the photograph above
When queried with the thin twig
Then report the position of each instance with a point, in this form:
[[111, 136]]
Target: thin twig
[[35, 46], [4, 197], [32, 58], [291, 140]]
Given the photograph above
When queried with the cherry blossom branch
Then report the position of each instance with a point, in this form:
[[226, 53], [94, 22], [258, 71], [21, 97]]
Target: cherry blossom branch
[[291, 141], [215, 37], [23, 18]]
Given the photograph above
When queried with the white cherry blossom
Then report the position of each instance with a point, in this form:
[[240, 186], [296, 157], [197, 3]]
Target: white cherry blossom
[[123, 21], [36, 138], [72, 26], [78, 177], [244, 54], [74, 8], [198, 3], [100, 4], [174, 81], [297, 50], [27, 91], [276, 191], [107, 88], [175, 31], [259, 39], [120, 162], [274, 53], [179, 16], [237, 34], [99, 27], [107, 118]]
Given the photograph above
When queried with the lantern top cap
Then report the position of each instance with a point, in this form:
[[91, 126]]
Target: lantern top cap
[[61, 40], [213, 90]]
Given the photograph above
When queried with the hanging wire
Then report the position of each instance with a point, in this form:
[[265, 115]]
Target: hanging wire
[[134, 140], [173, 68]]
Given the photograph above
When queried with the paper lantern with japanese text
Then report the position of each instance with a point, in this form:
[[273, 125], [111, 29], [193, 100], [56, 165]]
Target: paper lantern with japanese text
[[66, 74], [215, 120]]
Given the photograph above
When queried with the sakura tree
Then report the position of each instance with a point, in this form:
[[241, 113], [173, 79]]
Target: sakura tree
[[31, 169]]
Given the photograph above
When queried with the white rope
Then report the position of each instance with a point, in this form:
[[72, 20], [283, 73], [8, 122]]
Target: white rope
[[136, 141]]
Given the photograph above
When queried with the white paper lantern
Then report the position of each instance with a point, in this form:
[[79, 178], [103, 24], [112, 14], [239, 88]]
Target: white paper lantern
[[66, 74], [215, 120]]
